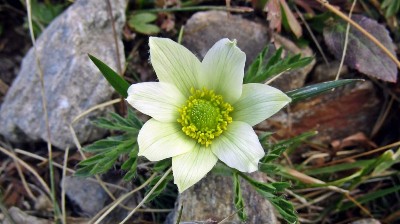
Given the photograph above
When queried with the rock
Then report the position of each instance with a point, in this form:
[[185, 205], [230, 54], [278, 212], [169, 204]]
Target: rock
[[366, 221], [324, 72], [72, 82], [211, 200], [203, 29], [347, 110], [20, 217], [87, 196]]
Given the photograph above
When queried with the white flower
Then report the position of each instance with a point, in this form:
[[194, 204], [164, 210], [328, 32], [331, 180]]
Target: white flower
[[201, 111]]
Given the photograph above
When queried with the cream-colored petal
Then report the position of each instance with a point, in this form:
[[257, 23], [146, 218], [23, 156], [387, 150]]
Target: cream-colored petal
[[192, 166], [158, 100], [239, 147], [174, 64], [222, 70], [158, 140], [258, 102]]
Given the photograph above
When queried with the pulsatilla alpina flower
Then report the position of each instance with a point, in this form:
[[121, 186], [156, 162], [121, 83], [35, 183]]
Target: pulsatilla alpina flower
[[201, 111]]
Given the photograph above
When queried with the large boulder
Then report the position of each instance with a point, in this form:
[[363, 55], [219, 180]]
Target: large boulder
[[72, 83]]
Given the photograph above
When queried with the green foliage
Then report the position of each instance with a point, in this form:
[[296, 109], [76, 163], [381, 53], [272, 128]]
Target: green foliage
[[259, 72], [43, 13], [269, 191], [141, 23], [238, 200], [275, 150], [316, 89], [116, 81], [370, 197], [160, 188], [108, 150], [390, 7]]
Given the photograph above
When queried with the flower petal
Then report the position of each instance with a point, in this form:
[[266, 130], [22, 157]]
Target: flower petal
[[174, 63], [158, 140], [192, 166], [222, 70], [258, 102], [239, 147], [156, 99]]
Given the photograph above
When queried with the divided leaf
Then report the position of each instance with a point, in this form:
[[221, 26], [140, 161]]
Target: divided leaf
[[239, 203], [362, 54], [259, 72], [141, 23]]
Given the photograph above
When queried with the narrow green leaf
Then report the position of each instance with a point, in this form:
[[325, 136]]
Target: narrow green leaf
[[370, 197], [275, 150], [268, 168], [285, 209], [116, 81], [259, 185], [238, 198], [84, 171], [316, 89]]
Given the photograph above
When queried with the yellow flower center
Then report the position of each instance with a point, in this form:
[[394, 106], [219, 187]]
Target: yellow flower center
[[205, 116]]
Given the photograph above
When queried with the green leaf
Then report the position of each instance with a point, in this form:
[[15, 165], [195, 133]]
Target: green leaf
[[316, 89], [133, 119], [162, 165], [339, 167], [238, 200], [116, 81], [275, 150], [148, 29], [285, 209], [131, 164], [268, 168], [160, 188], [141, 23], [258, 72], [391, 7], [265, 187], [84, 171], [370, 197]]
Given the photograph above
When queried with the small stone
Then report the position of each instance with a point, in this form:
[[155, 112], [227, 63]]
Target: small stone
[[211, 200], [72, 82], [87, 196]]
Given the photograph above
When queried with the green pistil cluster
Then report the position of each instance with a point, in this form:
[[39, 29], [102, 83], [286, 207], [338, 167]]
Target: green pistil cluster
[[205, 116]]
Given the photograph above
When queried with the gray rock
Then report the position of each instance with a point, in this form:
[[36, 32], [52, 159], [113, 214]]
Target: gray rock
[[86, 195], [211, 200], [72, 83], [203, 29]]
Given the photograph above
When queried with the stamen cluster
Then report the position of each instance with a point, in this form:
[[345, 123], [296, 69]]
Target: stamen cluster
[[205, 116]]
